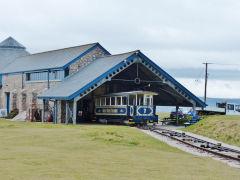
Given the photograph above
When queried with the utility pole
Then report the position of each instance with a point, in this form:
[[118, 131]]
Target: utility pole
[[206, 78]]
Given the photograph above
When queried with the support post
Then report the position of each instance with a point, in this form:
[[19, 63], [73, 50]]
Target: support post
[[136, 100], [67, 114], [54, 108], [194, 109], [55, 112], [43, 111], [22, 80], [74, 112], [48, 79], [205, 88], [177, 122]]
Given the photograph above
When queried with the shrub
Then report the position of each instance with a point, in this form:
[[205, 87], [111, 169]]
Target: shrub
[[12, 114]]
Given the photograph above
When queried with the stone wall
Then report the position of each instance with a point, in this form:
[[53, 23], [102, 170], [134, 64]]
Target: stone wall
[[22, 98], [97, 52]]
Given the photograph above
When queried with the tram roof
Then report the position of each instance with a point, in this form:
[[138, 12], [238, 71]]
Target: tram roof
[[131, 93]]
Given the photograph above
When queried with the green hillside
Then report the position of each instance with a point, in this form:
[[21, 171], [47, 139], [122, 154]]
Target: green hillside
[[219, 127]]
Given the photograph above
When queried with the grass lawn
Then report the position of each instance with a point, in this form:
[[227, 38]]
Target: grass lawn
[[219, 127], [46, 151]]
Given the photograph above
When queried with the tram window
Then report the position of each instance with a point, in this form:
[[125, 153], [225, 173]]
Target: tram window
[[131, 100], [107, 101], [112, 101], [230, 107], [140, 100], [124, 100], [98, 102], [148, 100], [118, 100], [103, 101]]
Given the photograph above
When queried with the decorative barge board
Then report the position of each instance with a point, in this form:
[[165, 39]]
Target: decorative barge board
[[130, 71]]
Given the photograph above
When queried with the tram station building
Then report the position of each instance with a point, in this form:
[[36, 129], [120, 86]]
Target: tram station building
[[60, 83]]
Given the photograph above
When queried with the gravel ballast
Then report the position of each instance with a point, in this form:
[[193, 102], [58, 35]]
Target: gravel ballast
[[192, 150]]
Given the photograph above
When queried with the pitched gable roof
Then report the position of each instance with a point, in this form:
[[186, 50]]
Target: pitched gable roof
[[11, 43], [88, 78], [55, 59]]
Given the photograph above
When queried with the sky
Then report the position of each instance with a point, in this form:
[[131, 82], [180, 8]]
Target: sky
[[178, 35]]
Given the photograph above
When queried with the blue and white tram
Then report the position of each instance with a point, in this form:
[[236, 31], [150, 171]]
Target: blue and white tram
[[135, 107]]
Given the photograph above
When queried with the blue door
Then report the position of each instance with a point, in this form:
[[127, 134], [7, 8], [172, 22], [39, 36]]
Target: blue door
[[8, 102]]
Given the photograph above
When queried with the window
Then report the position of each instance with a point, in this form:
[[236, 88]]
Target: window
[[132, 100], [107, 101], [103, 100], [238, 108], [230, 107], [43, 76], [118, 100], [124, 100], [66, 72], [28, 77], [148, 100], [140, 102], [113, 101], [221, 105], [97, 102]]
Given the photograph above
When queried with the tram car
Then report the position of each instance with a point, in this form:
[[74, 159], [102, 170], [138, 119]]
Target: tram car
[[133, 108]]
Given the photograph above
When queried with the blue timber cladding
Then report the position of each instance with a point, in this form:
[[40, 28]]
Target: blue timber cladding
[[50, 60], [92, 74]]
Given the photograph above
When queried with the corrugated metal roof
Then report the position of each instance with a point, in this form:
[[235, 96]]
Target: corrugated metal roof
[[46, 60], [84, 76], [10, 49]]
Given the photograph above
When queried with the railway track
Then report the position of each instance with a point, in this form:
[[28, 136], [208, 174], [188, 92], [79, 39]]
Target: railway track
[[215, 149]]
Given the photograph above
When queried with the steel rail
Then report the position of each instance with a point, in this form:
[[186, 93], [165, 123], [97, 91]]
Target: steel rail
[[156, 130], [198, 139]]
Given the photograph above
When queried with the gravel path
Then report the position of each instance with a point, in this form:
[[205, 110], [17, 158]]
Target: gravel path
[[190, 149]]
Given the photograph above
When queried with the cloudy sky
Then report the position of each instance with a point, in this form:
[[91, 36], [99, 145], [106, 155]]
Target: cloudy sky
[[179, 35]]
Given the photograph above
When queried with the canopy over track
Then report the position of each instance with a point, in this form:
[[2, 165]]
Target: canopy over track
[[124, 72]]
